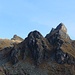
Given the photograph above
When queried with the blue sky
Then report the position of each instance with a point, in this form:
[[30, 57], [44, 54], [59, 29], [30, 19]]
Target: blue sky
[[22, 16]]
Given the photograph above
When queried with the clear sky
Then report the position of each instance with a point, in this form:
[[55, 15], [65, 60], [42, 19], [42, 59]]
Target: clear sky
[[22, 16]]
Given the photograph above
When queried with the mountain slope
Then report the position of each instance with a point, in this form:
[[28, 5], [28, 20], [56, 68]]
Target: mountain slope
[[10, 43], [63, 48], [38, 55], [17, 38]]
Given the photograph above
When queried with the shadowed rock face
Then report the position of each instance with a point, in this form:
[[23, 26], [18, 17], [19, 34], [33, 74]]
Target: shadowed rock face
[[55, 53], [60, 32], [36, 46], [59, 38]]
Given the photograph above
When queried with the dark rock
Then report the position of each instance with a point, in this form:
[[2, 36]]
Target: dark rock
[[73, 43], [55, 53], [58, 37], [62, 27], [36, 46], [59, 33], [39, 49], [14, 56], [5, 55]]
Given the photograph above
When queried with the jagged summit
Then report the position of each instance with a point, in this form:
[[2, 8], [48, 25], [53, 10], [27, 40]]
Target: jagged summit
[[36, 46], [35, 33], [62, 27], [38, 55], [62, 44], [15, 37], [60, 32]]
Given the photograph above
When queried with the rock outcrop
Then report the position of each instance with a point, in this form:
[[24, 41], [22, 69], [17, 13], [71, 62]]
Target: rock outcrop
[[62, 27], [57, 45], [36, 47], [17, 38], [63, 48], [38, 55]]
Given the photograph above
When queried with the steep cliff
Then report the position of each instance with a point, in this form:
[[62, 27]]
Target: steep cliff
[[64, 51]]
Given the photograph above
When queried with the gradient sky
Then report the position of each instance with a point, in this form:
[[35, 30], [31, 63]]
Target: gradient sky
[[22, 16]]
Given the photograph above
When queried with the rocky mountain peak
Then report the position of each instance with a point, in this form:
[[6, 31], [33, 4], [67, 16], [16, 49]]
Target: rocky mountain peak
[[36, 47], [35, 34], [62, 27], [50, 55], [60, 40], [59, 32], [15, 37]]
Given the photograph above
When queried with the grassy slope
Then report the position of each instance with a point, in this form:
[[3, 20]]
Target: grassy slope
[[7, 43]]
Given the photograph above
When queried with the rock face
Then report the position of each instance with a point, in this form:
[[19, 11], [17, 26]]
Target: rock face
[[5, 55], [54, 46], [14, 56], [60, 40], [15, 37], [38, 55], [62, 27], [36, 46]]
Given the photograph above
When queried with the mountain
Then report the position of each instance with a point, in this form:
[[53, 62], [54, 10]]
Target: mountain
[[62, 43], [10, 43], [17, 38], [36, 46], [53, 54], [5, 43]]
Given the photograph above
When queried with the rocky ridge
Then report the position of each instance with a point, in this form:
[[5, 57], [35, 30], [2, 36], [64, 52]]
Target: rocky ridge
[[50, 55], [63, 49], [17, 38]]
